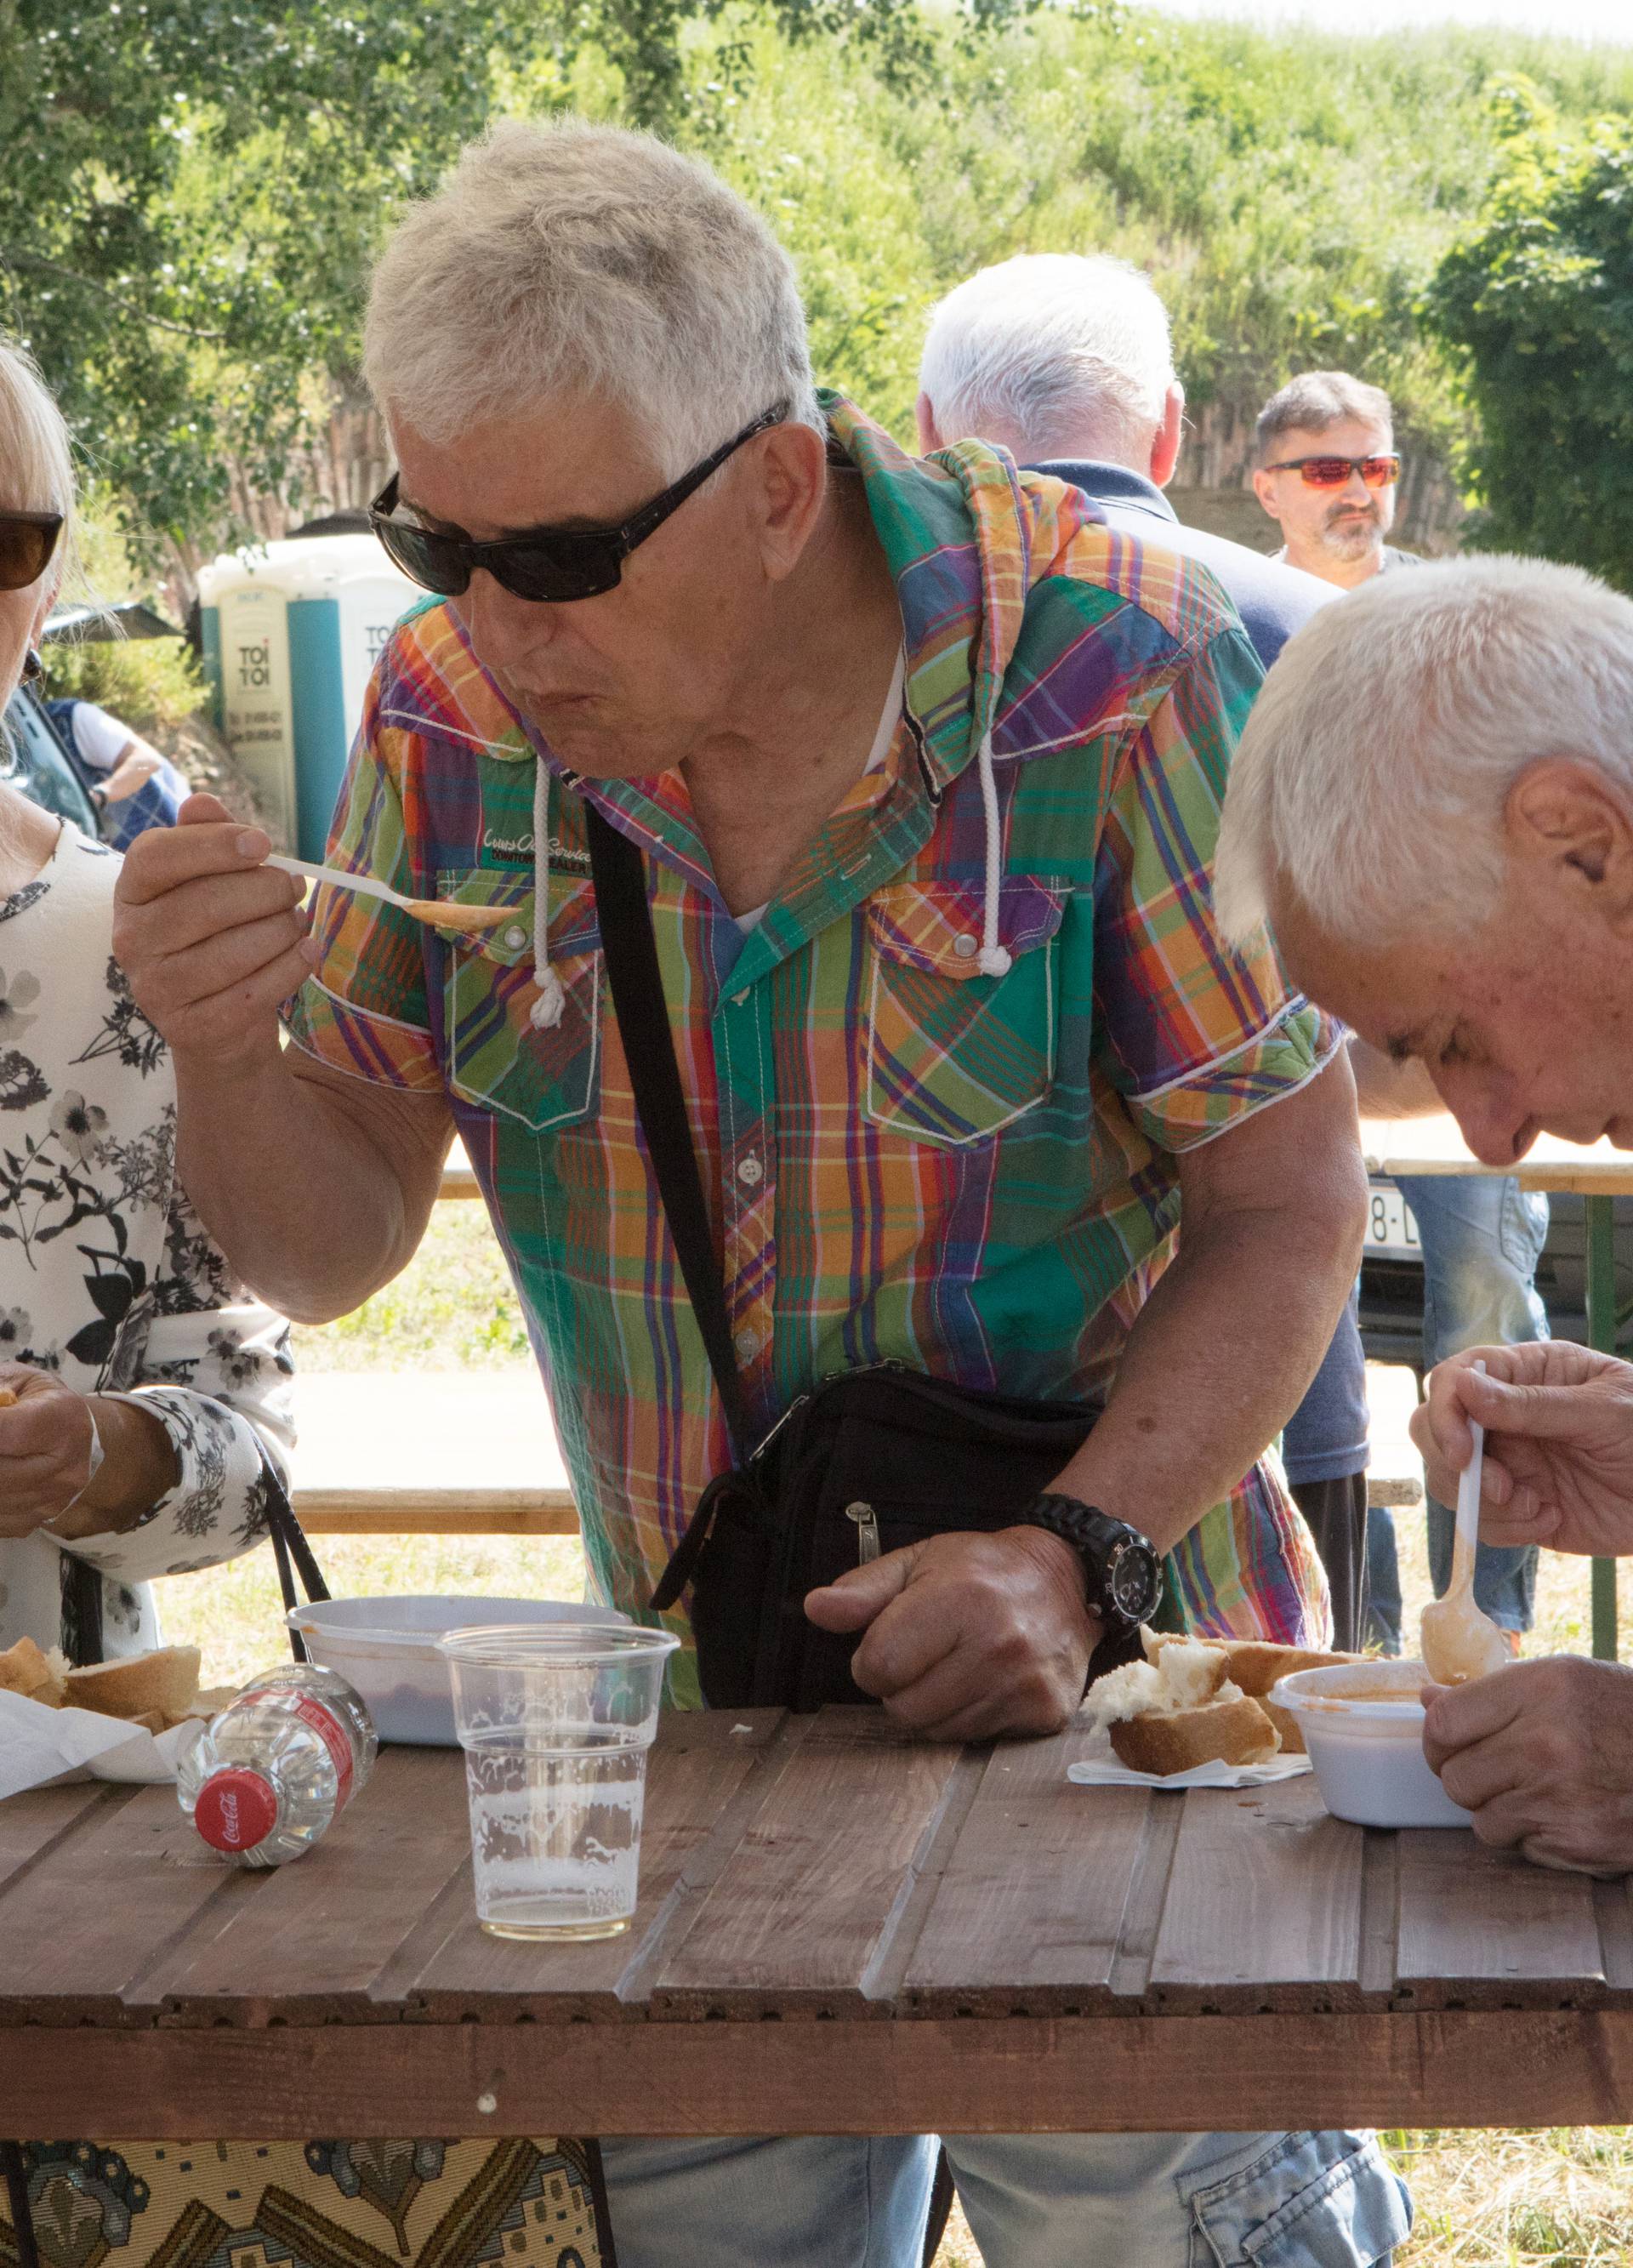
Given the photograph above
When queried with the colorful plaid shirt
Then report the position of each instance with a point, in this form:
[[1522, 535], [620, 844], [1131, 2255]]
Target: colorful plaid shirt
[[974, 1174]]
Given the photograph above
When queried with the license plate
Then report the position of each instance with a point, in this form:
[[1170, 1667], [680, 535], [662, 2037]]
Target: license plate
[[1390, 1227]]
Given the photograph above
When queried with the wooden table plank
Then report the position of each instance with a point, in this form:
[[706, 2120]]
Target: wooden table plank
[[699, 1781], [1478, 1926], [31, 1825], [810, 1900], [1494, 2067], [107, 1907], [1265, 1895], [1030, 1909], [316, 1938]]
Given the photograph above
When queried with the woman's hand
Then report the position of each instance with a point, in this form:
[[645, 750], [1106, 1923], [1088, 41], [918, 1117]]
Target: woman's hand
[[1559, 1443], [45, 1459]]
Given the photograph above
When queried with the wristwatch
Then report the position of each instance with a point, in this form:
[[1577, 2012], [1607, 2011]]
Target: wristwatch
[[1121, 1569]]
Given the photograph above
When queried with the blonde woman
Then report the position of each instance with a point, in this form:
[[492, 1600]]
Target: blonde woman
[[149, 1383]]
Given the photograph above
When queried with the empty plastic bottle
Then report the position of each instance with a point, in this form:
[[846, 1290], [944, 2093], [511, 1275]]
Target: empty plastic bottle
[[262, 1780]]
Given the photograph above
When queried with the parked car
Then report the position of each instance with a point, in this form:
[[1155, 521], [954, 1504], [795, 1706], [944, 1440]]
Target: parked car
[[36, 759], [1392, 1275]]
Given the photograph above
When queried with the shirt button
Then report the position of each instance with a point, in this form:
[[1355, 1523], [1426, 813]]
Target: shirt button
[[751, 1172], [515, 938], [748, 1344], [737, 998], [966, 947]]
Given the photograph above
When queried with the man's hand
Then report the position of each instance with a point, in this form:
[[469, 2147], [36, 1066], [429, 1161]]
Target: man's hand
[[1542, 1754], [211, 939], [969, 1637], [1559, 1443]]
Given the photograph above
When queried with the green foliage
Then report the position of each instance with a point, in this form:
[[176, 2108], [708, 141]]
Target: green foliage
[[152, 684], [191, 191], [1537, 300]]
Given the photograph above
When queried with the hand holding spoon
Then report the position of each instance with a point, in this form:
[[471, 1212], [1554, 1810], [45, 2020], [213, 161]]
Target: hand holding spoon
[[1458, 1642], [440, 913]]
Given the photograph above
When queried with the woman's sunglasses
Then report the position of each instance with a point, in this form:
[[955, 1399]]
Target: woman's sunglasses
[[1333, 472], [547, 565], [27, 539]]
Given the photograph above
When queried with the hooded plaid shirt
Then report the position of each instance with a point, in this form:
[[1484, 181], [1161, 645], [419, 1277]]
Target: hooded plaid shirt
[[906, 1157]]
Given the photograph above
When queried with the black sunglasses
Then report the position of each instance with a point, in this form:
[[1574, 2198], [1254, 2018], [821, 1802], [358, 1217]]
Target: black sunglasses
[[27, 539], [547, 566]]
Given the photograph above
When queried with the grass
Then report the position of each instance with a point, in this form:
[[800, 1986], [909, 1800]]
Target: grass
[[1502, 2199]]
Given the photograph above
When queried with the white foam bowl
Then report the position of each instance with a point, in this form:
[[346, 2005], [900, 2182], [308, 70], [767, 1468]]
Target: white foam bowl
[[1363, 1724], [388, 1649]]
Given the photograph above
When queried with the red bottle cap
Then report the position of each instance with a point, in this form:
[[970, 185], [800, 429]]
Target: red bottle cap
[[236, 1809]]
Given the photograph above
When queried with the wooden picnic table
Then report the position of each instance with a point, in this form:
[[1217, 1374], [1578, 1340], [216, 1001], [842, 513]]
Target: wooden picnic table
[[1595, 1172], [840, 1931]]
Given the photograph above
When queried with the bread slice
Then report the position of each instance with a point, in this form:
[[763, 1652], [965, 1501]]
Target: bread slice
[[1231, 1728], [1255, 1664], [164, 1682], [25, 1669], [208, 1702]]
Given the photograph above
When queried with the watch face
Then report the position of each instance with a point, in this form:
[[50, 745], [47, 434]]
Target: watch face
[[1134, 1580]]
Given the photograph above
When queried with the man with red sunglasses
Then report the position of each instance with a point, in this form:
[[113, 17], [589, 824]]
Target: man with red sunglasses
[[1326, 468]]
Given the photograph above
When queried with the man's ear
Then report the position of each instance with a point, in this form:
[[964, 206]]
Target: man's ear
[[929, 433], [1264, 489], [1569, 818], [1170, 435], [793, 477]]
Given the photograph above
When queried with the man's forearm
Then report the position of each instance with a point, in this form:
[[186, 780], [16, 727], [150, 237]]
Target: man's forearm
[[304, 1205], [1217, 1361]]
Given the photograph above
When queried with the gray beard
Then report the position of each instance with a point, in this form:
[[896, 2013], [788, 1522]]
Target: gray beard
[[1353, 541]]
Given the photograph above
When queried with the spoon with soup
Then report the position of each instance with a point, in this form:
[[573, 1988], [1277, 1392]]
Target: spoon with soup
[[1457, 1641]]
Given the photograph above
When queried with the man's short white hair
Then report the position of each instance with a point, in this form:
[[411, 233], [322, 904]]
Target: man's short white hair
[[1375, 765], [572, 257], [1051, 355]]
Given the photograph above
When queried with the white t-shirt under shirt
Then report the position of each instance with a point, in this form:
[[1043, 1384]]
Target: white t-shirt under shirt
[[877, 755]]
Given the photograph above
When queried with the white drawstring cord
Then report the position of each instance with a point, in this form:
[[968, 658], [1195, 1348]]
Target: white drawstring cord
[[994, 959], [552, 1001]]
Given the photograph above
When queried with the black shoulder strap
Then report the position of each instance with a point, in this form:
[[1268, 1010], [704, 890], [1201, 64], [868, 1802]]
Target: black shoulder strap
[[637, 989]]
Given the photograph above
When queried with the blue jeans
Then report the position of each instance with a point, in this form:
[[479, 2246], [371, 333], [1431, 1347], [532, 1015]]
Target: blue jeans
[[1304, 2200], [1482, 1236]]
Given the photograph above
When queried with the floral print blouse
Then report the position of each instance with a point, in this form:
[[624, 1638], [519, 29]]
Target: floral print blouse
[[107, 1276]]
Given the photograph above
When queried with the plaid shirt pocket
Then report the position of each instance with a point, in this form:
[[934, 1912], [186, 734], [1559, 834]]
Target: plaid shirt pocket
[[954, 1057], [498, 1057]]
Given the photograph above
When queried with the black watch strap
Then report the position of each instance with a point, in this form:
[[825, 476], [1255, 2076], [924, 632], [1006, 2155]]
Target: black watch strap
[[1121, 1569]]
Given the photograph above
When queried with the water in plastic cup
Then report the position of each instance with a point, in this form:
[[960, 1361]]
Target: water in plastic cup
[[555, 1720]]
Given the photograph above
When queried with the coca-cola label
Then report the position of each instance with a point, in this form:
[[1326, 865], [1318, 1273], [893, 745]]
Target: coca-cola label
[[236, 1809], [327, 1727]]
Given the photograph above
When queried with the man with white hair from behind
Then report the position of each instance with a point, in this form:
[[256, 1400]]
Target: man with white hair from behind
[[1431, 806], [1066, 362]]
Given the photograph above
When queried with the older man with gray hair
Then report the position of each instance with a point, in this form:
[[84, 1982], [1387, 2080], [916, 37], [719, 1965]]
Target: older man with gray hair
[[918, 780], [1432, 806], [1066, 361]]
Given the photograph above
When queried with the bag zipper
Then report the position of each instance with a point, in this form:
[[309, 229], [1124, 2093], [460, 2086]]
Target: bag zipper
[[867, 1531]]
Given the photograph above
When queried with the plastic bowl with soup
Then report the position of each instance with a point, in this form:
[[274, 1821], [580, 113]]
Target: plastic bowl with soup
[[1363, 1724]]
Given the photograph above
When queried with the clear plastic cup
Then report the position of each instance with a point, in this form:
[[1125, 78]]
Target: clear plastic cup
[[555, 1721]]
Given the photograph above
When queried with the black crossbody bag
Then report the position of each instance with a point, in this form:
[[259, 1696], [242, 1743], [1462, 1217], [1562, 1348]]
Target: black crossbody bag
[[868, 1462]]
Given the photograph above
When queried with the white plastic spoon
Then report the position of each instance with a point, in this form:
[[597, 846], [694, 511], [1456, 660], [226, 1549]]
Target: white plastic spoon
[[1457, 1641], [441, 913]]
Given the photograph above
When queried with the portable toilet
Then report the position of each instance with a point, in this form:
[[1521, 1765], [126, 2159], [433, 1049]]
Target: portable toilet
[[290, 632]]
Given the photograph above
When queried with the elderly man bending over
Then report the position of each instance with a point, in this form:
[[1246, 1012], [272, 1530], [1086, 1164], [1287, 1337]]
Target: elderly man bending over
[[925, 779], [1433, 805]]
